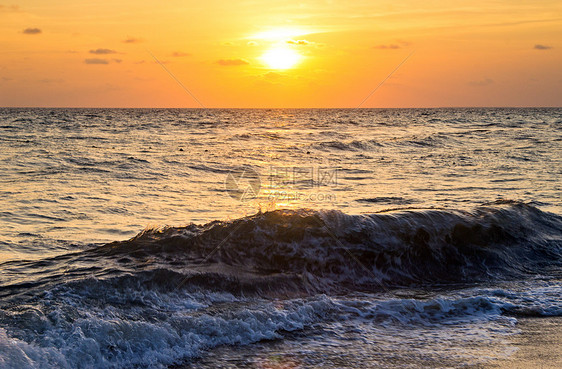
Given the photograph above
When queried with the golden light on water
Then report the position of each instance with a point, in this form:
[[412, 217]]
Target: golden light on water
[[281, 57]]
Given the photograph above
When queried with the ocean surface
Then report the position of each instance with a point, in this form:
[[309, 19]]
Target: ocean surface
[[172, 238]]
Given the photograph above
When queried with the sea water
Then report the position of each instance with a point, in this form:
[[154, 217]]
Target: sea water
[[276, 238]]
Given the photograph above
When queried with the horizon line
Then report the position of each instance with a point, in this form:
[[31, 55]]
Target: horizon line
[[291, 108]]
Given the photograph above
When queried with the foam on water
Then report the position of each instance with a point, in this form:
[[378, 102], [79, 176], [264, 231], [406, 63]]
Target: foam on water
[[77, 328], [155, 302], [417, 259]]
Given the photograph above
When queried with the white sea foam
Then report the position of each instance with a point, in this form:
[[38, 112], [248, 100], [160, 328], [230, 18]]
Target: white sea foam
[[79, 334]]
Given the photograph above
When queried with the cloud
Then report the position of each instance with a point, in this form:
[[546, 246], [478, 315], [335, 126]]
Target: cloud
[[387, 47], [103, 51], [101, 61], [299, 42], [31, 31], [50, 80], [252, 43], [96, 61], [179, 54], [542, 47], [232, 62], [132, 40], [481, 83], [9, 8], [272, 75], [304, 43], [271, 79], [394, 46]]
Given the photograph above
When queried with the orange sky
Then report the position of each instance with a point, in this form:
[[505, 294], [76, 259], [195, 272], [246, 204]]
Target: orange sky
[[96, 53]]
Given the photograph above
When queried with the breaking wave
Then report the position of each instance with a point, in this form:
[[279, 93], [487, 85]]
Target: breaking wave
[[328, 249], [171, 294]]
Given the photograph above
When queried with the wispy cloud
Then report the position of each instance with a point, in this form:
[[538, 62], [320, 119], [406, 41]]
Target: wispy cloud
[[101, 61], [31, 31], [179, 54], [481, 83], [9, 8], [96, 61], [103, 51], [387, 47], [399, 44], [51, 80], [304, 43], [298, 42], [278, 34], [232, 62], [270, 79], [132, 40], [542, 47], [272, 75]]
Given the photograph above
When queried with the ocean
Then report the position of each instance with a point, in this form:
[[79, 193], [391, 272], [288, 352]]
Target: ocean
[[277, 238]]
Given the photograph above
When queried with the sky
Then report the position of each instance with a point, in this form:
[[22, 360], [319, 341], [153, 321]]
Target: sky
[[280, 54]]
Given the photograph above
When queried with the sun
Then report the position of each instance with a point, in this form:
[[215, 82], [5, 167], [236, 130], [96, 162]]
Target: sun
[[281, 58]]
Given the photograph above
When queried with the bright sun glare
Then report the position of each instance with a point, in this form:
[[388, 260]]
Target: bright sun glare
[[281, 58]]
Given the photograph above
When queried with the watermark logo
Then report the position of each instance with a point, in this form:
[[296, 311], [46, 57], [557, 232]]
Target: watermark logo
[[282, 184], [243, 185], [302, 177]]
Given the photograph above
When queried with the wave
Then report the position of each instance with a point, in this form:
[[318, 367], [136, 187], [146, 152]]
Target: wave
[[86, 335], [302, 252], [355, 145], [329, 250], [171, 294], [81, 328], [387, 200]]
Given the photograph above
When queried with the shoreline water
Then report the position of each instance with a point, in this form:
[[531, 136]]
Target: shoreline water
[[539, 345]]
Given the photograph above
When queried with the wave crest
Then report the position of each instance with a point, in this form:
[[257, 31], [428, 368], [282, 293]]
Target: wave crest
[[366, 252]]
